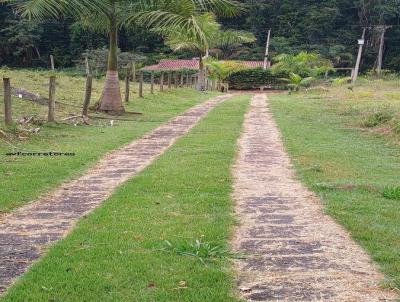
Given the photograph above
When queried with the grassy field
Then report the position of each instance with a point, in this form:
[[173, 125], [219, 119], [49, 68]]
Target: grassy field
[[69, 93], [350, 156], [140, 244], [24, 178]]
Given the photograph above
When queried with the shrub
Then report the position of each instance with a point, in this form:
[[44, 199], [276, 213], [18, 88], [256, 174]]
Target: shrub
[[248, 79], [341, 81], [385, 74], [305, 64], [380, 116]]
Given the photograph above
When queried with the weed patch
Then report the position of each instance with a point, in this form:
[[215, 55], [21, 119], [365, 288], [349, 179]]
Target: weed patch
[[205, 252], [378, 117], [391, 192]]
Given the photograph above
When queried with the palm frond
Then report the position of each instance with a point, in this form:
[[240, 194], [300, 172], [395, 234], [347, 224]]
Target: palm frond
[[225, 8], [44, 9]]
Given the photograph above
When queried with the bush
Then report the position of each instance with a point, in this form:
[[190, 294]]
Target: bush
[[304, 64], [378, 117], [248, 79]]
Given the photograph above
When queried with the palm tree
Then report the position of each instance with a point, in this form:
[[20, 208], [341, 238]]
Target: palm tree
[[295, 82], [108, 16], [221, 70], [231, 44], [304, 64], [211, 36]]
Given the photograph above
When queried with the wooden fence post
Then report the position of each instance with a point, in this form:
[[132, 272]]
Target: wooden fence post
[[141, 84], [182, 79], [88, 88], [128, 83], [52, 99], [162, 81], [7, 102], [152, 82], [133, 72], [187, 80], [176, 80], [88, 94], [169, 80], [52, 62], [87, 65]]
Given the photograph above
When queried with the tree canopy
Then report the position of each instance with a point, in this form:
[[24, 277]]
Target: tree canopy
[[330, 28]]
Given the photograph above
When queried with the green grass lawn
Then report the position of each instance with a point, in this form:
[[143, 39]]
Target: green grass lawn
[[119, 253], [24, 178], [347, 166]]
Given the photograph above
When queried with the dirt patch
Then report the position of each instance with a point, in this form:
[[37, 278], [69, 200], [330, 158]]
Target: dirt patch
[[295, 252], [25, 232]]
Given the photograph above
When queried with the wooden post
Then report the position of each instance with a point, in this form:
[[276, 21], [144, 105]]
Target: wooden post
[[141, 84], [267, 50], [88, 88], [381, 48], [162, 81], [182, 79], [7, 102], [87, 65], [133, 72], [88, 94], [128, 83], [187, 80], [176, 80], [127, 87], [360, 49], [52, 99], [169, 80], [52, 62], [152, 82]]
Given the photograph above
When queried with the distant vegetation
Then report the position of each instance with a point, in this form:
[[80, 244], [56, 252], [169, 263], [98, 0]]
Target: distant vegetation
[[330, 28]]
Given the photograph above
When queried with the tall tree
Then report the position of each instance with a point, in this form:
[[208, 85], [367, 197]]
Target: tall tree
[[108, 16]]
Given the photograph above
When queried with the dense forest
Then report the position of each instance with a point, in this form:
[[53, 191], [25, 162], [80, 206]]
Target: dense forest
[[330, 28]]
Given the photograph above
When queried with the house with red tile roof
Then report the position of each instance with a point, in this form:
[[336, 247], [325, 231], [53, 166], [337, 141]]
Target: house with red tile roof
[[177, 64]]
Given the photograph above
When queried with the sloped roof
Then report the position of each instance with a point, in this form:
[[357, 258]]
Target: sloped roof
[[168, 64], [173, 64], [253, 64]]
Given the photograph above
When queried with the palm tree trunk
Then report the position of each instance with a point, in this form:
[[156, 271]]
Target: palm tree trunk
[[201, 84], [111, 100]]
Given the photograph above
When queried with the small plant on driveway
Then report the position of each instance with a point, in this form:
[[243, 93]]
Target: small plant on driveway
[[203, 251]]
